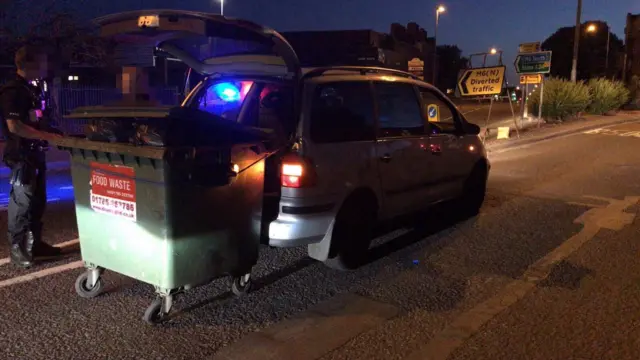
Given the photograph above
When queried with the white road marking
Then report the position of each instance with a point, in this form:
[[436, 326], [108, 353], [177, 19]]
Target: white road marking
[[42, 273], [470, 111], [611, 217], [606, 131], [60, 245], [559, 137]]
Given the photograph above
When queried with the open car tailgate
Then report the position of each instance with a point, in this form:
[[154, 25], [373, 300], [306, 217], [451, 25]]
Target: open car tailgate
[[202, 40]]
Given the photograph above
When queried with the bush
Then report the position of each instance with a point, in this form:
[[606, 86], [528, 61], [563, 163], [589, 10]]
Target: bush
[[606, 95], [562, 99]]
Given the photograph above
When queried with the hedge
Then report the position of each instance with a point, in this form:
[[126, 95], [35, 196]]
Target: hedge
[[606, 95], [561, 99], [564, 99]]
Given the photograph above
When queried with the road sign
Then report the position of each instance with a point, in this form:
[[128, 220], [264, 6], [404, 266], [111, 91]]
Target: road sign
[[530, 47], [533, 63], [416, 67], [433, 113], [531, 79], [482, 81], [416, 64]]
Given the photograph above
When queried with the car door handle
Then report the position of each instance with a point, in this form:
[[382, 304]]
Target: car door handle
[[435, 149], [385, 158]]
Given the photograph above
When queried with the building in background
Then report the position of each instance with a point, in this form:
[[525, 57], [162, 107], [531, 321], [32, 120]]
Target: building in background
[[365, 47]]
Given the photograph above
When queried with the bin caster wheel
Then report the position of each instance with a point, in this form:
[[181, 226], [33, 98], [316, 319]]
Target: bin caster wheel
[[241, 285], [82, 286], [155, 313]]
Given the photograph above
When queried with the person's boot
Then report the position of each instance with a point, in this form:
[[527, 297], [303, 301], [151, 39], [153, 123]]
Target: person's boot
[[38, 248], [19, 257]]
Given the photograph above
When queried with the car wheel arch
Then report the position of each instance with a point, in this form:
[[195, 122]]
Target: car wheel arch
[[362, 196]]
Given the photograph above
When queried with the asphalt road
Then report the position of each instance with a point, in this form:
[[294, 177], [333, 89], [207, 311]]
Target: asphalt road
[[548, 270], [477, 113]]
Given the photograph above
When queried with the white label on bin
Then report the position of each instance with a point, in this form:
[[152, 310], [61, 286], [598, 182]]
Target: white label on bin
[[113, 190]]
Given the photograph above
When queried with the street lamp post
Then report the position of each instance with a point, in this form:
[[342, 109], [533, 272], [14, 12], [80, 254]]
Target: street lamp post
[[222, 7], [592, 29], [576, 42], [439, 9]]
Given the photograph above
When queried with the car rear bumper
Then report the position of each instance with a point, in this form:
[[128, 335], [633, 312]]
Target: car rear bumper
[[300, 224]]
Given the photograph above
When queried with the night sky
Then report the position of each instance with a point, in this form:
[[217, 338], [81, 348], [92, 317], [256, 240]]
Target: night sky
[[473, 25]]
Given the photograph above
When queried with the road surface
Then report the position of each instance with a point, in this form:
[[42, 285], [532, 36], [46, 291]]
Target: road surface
[[548, 270], [477, 113]]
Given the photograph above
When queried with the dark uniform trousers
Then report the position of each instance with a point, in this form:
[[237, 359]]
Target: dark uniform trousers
[[27, 202]]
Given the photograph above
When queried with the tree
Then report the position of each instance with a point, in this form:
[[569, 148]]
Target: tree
[[450, 62], [50, 25], [592, 54]]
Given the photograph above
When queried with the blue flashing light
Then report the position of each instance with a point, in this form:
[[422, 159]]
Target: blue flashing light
[[227, 92]]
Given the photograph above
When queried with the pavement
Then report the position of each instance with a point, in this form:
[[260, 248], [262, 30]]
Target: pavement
[[548, 270], [531, 133]]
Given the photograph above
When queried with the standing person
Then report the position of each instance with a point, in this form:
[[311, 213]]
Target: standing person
[[21, 113]]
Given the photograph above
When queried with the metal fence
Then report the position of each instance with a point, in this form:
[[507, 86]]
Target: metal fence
[[71, 97]]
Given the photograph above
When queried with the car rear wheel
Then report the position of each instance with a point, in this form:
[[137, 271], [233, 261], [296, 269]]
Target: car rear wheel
[[474, 192], [352, 235]]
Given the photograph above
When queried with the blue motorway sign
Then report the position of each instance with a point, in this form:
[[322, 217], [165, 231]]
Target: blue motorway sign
[[533, 63]]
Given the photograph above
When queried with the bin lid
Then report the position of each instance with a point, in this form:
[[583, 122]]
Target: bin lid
[[115, 111], [208, 43]]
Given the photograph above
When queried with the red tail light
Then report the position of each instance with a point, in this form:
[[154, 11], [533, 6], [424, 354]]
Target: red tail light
[[296, 172]]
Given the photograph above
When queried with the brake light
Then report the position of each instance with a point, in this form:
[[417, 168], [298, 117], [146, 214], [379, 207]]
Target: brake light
[[296, 172]]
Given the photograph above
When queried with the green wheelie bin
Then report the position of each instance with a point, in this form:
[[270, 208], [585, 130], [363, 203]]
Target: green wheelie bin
[[173, 197], [173, 218]]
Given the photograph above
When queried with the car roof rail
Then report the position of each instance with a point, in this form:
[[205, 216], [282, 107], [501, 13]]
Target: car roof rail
[[361, 69]]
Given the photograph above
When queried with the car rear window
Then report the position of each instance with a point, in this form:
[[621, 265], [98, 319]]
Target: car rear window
[[342, 111], [224, 98]]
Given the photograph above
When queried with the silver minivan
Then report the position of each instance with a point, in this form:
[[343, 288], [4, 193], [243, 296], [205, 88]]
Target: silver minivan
[[351, 146], [371, 145]]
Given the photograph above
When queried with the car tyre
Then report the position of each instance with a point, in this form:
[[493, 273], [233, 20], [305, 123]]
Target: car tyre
[[474, 192], [352, 235]]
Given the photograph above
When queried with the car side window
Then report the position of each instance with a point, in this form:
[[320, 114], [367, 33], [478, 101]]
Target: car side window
[[399, 110], [441, 116], [342, 111]]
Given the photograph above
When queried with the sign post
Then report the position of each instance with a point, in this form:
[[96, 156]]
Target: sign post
[[531, 63], [484, 81], [540, 104]]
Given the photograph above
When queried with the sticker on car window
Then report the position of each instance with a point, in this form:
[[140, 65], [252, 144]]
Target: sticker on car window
[[433, 113]]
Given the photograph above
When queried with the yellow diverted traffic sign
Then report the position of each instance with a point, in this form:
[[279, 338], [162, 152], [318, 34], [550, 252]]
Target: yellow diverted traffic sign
[[482, 81], [530, 79], [530, 47]]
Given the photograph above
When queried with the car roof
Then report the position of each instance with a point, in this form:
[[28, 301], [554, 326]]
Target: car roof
[[360, 73]]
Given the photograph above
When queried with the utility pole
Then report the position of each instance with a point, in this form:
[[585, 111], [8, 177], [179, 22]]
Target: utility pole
[[439, 9], [576, 43]]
